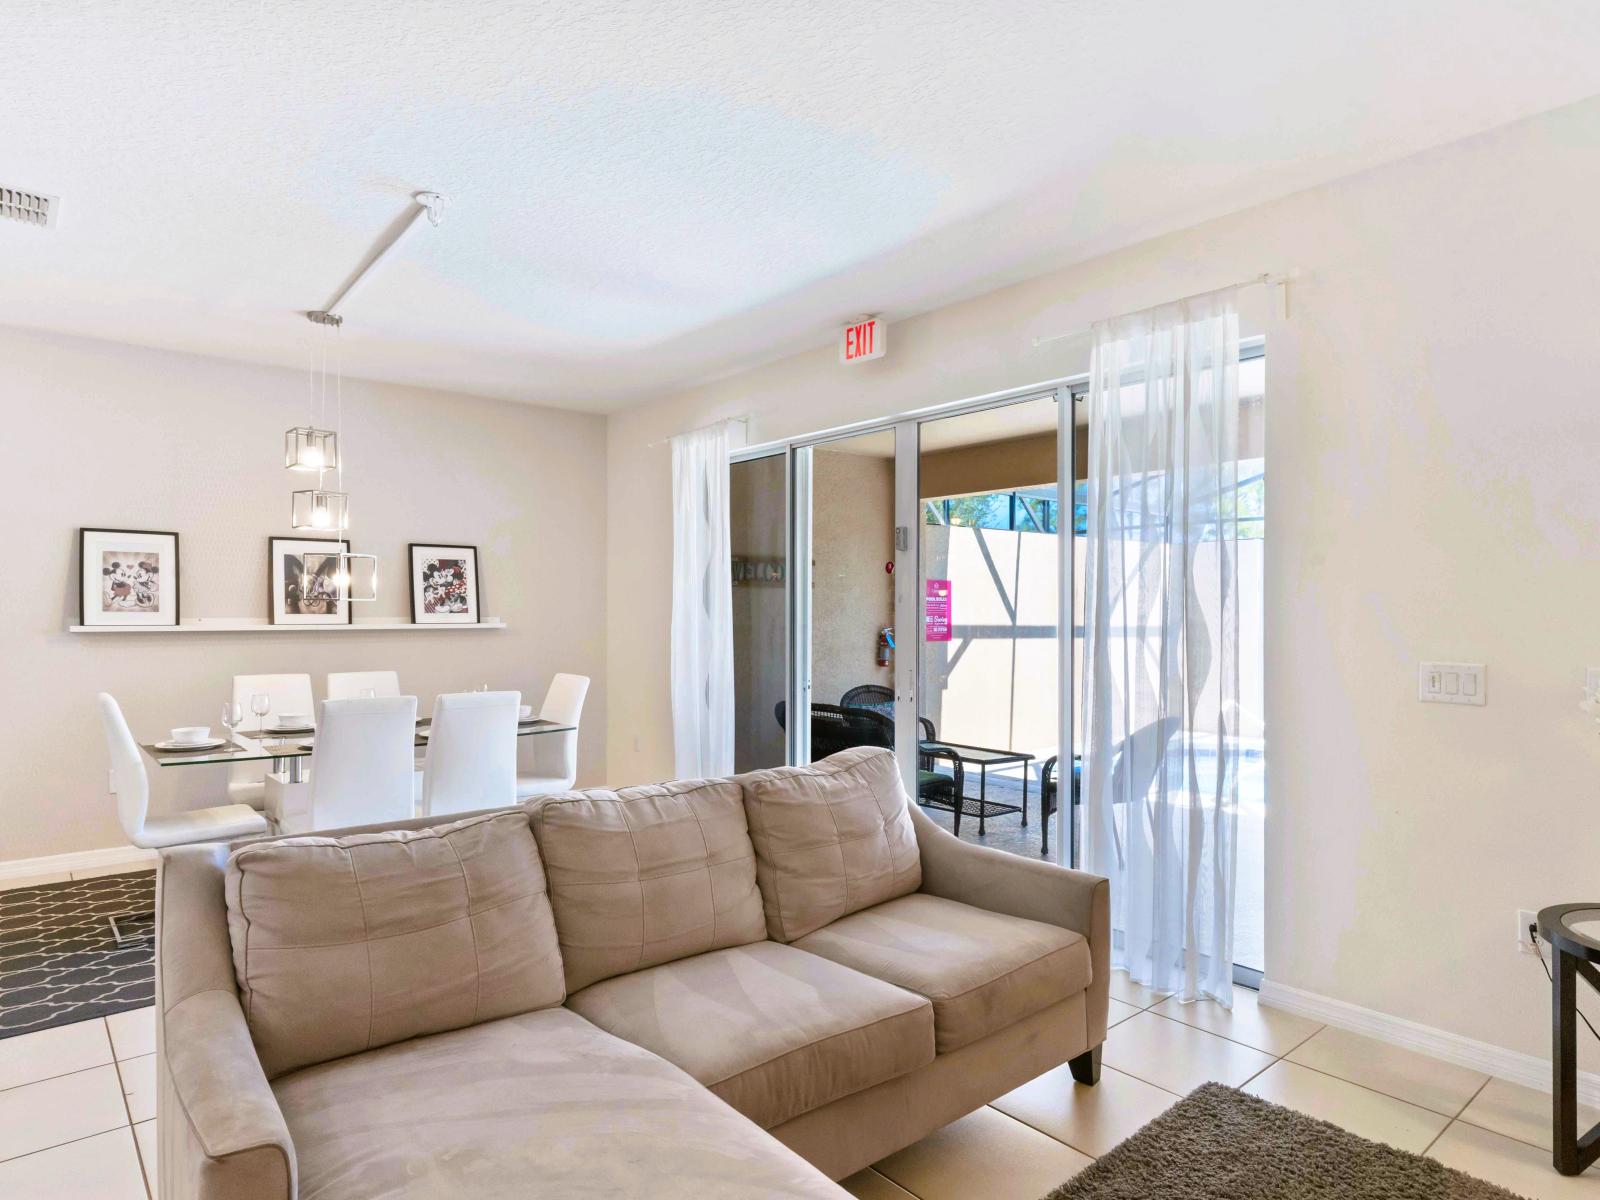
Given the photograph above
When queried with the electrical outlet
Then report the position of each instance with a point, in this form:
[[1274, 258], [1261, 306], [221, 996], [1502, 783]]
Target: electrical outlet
[[1525, 918]]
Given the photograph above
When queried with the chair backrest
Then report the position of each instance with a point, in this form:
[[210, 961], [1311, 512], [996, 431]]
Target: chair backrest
[[290, 694], [555, 755], [472, 753], [1143, 753], [869, 695], [130, 779], [363, 761], [348, 685]]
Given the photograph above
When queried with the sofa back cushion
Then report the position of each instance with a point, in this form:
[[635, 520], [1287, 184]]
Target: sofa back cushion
[[344, 944], [646, 875], [831, 839]]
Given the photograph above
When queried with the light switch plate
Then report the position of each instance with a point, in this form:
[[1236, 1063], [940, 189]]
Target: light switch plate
[[1451, 683]]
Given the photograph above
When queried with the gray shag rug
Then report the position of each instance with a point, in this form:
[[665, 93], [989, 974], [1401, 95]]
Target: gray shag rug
[[1221, 1144]]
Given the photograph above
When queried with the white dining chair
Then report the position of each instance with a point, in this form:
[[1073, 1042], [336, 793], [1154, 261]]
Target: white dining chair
[[472, 753], [362, 761], [131, 782], [247, 782], [348, 685], [555, 755]]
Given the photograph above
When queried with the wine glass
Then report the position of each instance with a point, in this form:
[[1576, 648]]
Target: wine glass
[[369, 693], [482, 687], [261, 705], [232, 715]]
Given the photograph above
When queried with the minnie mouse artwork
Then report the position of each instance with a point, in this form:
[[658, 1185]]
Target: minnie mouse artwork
[[130, 581], [444, 586]]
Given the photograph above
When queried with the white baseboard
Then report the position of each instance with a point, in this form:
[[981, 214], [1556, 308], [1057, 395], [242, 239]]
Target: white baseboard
[[78, 860], [1527, 1069]]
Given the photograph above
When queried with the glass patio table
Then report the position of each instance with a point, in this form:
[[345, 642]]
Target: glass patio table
[[288, 751], [983, 758]]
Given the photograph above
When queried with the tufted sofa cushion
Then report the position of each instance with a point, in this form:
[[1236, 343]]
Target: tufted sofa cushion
[[647, 875], [831, 839], [344, 944]]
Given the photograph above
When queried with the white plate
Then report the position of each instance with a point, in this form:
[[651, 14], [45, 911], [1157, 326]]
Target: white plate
[[208, 744], [424, 731]]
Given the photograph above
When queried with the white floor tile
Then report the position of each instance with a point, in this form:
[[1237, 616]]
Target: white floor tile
[[1178, 1057], [1268, 1029], [22, 881], [1514, 1165], [37, 1116], [987, 1154], [1363, 1112], [1136, 994], [1090, 1119], [1403, 1074], [1118, 1012], [139, 1086], [133, 1033], [103, 1167], [869, 1185], [145, 1134], [1519, 1112], [30, 1057]]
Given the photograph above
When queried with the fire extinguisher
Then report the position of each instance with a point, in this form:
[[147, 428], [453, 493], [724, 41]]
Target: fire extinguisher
[[885, 645]]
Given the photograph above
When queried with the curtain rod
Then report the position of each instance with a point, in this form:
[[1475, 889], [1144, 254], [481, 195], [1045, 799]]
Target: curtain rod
[[742, 419], [1265, 279]]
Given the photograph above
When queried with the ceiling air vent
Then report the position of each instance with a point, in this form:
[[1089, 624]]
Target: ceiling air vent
[[28, 207]]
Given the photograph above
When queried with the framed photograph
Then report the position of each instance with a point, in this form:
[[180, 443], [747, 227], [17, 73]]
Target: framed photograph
[[305, 580], [127, 577], [444, 584]]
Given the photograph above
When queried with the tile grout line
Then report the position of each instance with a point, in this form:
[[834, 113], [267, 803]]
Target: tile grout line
[[63, 1075], [138, 1155], [6, 1162], [1456, 1120]]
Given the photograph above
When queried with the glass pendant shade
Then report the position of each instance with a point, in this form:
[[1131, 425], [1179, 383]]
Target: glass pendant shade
[[360, 572], [308, 449], [317, 511]]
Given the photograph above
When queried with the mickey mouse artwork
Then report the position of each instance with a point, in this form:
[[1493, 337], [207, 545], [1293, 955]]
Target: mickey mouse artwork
[[127, 577], [444, 584], [130, 581]]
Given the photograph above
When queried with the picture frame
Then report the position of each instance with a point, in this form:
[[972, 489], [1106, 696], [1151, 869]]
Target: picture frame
[[128, 578], [443, 583], [304, 581]]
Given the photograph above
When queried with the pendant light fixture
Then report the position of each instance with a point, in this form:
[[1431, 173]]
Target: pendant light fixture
[[315, 447]]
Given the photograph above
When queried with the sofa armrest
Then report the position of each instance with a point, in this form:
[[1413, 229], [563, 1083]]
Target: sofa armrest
[[220, 1125], [1023, 887], [222, 1134]]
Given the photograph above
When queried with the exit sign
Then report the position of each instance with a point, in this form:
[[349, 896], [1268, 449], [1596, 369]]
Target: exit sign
[[864, 339]]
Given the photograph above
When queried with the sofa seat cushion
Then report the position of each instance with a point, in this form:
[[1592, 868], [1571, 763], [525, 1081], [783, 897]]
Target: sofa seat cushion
[[982, 970], [773, 1030], [344, 944], [540, 1104], [831, 838], [644, 875]]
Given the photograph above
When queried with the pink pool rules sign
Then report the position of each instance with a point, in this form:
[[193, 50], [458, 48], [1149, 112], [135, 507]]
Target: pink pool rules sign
[[936, 611]]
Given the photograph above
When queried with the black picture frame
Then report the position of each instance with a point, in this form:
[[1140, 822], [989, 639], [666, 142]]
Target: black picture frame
[[84, 532], [411, 583], [272, 591]]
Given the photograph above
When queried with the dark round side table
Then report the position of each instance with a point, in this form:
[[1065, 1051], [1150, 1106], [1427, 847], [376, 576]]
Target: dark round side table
[[1573, 931]]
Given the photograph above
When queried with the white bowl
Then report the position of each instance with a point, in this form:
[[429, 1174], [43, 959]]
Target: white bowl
[[524, 711], [191, 733], [292, 721]]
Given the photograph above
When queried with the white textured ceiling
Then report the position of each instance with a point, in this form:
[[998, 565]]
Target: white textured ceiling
[[647, 194]]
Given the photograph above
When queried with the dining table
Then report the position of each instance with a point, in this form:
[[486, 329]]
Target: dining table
[[288, 750]]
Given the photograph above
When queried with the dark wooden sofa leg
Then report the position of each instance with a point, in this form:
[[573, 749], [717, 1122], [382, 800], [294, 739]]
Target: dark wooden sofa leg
[[1086, 1067]]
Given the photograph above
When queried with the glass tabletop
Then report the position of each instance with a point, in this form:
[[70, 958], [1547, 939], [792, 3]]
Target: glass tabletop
[[979, 754], [252, 747]]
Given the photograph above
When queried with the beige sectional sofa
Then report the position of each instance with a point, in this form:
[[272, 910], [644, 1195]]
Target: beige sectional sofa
[[741, 987]]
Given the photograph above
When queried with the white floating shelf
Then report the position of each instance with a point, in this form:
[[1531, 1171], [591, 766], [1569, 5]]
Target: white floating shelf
[[246, 625]]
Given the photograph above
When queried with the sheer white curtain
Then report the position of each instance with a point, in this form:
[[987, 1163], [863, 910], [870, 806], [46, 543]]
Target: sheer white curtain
[[702, 606], [1161, 640]]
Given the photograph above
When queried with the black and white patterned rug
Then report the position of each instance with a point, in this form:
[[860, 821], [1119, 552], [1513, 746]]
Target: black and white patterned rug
[[59, 961]]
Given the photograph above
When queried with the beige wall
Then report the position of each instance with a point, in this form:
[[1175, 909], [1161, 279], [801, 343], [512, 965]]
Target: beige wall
[[852, 598], [100, 434], [1433, 439]]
